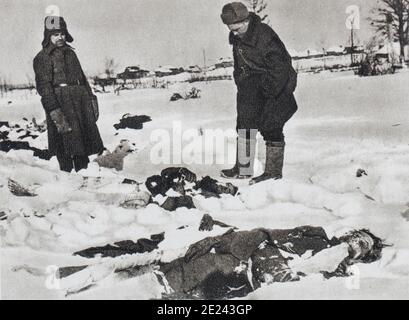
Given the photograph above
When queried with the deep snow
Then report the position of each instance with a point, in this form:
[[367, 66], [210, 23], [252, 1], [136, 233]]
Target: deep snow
[[344, 123]]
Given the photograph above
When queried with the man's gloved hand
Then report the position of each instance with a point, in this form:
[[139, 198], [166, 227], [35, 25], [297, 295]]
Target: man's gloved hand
[[95, 106], [58, 117], [179, 173]]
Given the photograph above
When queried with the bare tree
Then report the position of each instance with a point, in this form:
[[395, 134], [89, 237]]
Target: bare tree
[[259, 7], [391, 20], [372, 45], [30, 82], [109, 67], [4, 86], [1, 87]]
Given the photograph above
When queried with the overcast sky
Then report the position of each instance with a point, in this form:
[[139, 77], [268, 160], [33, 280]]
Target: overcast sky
[[161, 32]]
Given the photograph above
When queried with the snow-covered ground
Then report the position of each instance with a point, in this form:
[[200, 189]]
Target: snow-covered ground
[[344, 123]]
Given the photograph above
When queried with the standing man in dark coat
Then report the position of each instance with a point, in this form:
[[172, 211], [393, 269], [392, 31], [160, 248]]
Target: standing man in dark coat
[[265, 82], [71, 107]]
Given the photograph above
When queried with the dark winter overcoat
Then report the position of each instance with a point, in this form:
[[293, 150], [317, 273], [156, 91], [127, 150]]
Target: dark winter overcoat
[[265, 78], [234, 264], [62, 84]]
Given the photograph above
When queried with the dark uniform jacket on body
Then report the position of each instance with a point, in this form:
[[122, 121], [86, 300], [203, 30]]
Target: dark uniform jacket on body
[[62, 84], [265, 78]]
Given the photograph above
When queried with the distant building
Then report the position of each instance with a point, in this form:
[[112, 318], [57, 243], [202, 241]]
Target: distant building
[[194, 69], [356, 49], [103, 80], [132, 73], [335, 51], [336, 57], [162, 72], [168, 71], [307, 54], [175, 70], [224, 63], [392, 52]]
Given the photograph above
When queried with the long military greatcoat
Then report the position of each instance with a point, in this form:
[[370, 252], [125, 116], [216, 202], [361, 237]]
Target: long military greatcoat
[[62, 84], [265, 78]]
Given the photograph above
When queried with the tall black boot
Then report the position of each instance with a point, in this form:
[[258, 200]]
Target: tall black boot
[[65, 162], [81, 162], [244, 167], [274, 162]]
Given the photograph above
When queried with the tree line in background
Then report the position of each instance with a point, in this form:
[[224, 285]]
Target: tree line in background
[[390, 19], [259, 7], [6, 85], [391, 22]]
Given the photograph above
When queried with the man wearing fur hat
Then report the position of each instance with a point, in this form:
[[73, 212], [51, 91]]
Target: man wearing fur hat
[[265, 82], [71, 107]]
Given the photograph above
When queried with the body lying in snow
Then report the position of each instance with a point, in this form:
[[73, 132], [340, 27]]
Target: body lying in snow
[[115, 160], [236, 263]]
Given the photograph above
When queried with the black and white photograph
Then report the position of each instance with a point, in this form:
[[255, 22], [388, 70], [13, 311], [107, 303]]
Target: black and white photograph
[[204, 150]]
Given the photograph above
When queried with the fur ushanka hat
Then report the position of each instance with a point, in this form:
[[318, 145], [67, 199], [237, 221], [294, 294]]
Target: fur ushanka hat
[[54, 24], [234, 12]]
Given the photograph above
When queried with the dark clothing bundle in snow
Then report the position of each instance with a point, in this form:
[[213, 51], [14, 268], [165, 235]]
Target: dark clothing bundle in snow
[[172, 203], [26, 130], [179, 175], [8, 145], [265, 79], [158, 185], [132, 122], [63, 86], [360, 173], [130, 181], [212, 188], [124, 247], [4, 135], [192, 94], [28, 135], [29, 132], [176, 179], [170, 178], [42, 154], [176, 97]]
